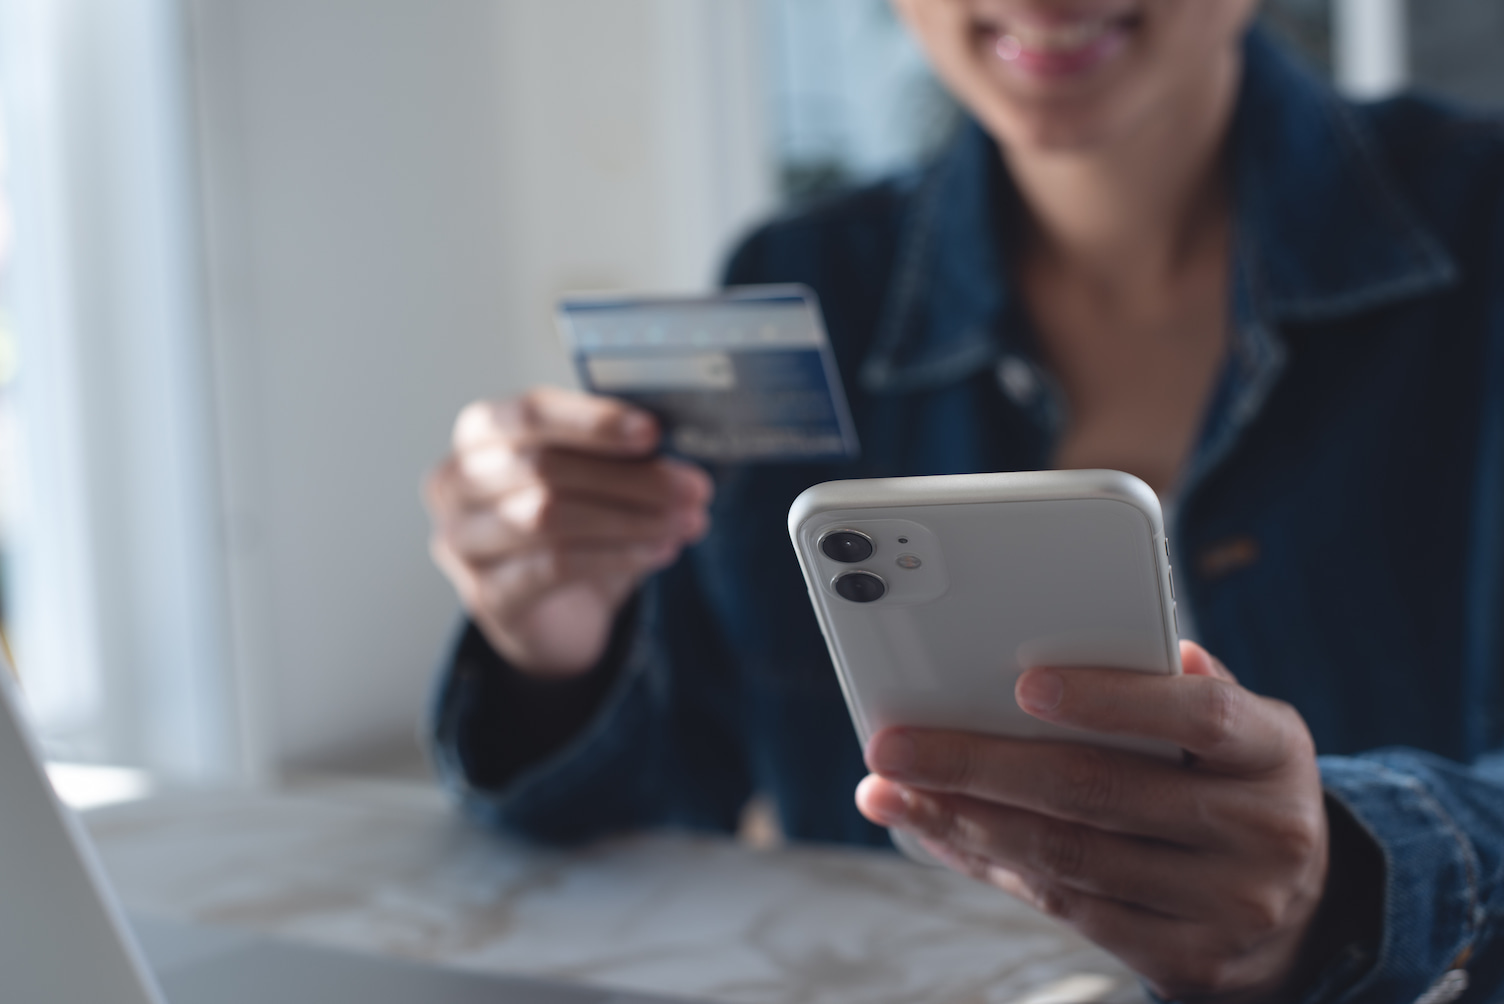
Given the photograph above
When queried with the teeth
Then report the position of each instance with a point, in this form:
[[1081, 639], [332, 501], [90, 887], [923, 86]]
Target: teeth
[[1056, 38]]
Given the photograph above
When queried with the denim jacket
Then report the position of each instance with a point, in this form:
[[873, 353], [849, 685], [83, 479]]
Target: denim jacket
[[1340, 528]]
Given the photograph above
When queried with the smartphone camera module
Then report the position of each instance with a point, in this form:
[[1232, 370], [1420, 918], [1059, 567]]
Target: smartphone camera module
[[846, 546], [860, 587]]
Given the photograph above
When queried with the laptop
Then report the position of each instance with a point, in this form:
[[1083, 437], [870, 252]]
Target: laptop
[[65, 940]]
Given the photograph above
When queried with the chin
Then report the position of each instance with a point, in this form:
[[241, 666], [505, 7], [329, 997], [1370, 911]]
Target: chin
[[1076, 127], [1077, 75], [1053, 136]]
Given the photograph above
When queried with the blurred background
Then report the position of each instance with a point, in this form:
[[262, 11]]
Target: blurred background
[[257, 253]]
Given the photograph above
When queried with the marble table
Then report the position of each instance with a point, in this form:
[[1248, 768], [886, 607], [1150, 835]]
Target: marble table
[[384, 867]]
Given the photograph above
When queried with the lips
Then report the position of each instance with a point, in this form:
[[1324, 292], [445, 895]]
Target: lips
[[1070, 37], [1058, 46]]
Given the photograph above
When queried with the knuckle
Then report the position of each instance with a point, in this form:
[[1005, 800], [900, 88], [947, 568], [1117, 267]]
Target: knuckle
[[1221, 712], [527, 411], [548, 514], [1053, 901], [1261, 914], [955, 765], [1296, 831], [550, 564], [539, 512], [1060, 851], [941, 821], [1292, 838], [1093, 780], [543, 466], [1297, 740], [1202, 974], [605, 418]]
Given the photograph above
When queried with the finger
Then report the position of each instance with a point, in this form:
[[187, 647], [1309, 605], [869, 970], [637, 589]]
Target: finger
[[529, 607], [524, 519], [1109, 789], [1197, 661], [1190, 968], [481, 475], [1075, 782], [550, 416], [507, 587], [1224, 726], [1151, 874]]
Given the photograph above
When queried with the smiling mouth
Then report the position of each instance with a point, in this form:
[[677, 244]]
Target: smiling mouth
[[1059, 48], [1071, 37]]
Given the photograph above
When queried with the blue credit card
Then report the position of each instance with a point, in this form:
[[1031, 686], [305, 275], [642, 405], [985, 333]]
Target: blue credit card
[[743, 376]]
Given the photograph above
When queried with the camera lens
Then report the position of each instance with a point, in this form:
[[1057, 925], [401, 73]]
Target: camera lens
[[846, 546], [861, 587]]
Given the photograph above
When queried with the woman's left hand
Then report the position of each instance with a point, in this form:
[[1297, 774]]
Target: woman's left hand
[[1202, 876]]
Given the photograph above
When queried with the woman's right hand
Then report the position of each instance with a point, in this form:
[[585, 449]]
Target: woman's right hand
[[549, 512]]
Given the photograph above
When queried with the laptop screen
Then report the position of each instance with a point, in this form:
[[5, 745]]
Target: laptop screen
[[62, 936]]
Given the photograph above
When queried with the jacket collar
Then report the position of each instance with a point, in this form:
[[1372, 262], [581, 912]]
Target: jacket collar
[[1323, 232], [949, 286]]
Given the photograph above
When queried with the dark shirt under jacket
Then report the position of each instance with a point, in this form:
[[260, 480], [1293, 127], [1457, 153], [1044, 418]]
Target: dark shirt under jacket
[[1341, 519]]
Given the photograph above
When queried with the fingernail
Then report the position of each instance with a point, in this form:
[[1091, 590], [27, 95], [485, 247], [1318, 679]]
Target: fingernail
[[894, 753], [1040, 691], [886, 804], [634, 426], [692, 483], [689, 482], [692, 523]]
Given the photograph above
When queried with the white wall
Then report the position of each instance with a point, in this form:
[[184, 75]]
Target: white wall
[[395, 190], [853, 88]]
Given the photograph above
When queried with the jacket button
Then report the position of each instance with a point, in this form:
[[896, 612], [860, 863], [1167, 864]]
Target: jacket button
[[1223, 557], [1016, 378]]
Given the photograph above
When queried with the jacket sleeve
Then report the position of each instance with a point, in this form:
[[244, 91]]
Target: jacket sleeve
[[1440, 824], [659, 746], [1440, 828]]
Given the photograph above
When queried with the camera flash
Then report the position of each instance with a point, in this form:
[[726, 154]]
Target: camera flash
[[909, 562]]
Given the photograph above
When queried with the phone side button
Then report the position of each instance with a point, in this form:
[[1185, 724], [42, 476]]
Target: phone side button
[[1175, 612], [1172, 583]]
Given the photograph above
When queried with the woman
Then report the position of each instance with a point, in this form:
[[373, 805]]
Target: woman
[[1162, 248]]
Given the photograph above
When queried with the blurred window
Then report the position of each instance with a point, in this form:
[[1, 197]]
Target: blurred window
[[8, 364], [108, 528], [1457, 48], [853, 98]]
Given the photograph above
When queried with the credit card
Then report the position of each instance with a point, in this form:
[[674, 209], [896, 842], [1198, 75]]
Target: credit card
[[743, 376]]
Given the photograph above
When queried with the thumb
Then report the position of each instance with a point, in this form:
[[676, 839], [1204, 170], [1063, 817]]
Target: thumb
[[1197, 661]]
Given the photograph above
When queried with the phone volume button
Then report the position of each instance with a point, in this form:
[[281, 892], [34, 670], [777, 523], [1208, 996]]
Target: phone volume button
[[1172, 583]]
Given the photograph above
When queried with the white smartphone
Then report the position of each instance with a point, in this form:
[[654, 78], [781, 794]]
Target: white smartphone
[[936, 593]]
